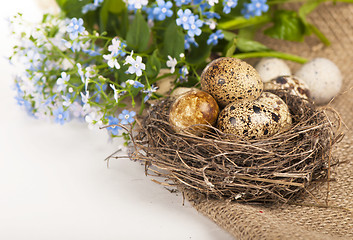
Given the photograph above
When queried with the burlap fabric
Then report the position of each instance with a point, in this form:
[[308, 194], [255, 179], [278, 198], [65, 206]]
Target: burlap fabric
[[306, 221]]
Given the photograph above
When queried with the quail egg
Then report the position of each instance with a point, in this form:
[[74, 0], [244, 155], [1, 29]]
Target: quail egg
[[254, 119], [323, 78], [293, 84], [193, 107], [230, 79], [270, 68]]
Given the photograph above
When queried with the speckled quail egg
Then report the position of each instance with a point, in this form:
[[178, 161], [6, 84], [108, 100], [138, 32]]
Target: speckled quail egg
[[254, 119], [230, 79], [270, 68], [323, 78], [293, 84], [193, 107]]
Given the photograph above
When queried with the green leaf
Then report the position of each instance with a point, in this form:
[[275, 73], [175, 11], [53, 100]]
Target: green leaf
[[73, 8], [61, 3], [241, 22], [138, 34], [287, 26], [246, 45], [230, 48], [199, 54], [304, 10], [104, 15], [116, 6], [153, 65], [173, 41]]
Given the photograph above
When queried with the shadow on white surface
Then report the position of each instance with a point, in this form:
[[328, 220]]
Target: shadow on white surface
[[55, 184]]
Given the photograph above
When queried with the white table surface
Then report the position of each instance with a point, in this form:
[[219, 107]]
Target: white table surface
[[55, 184]]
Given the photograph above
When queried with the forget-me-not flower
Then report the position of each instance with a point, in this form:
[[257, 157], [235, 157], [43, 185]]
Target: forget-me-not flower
[[60, 115], [184, 18], [75, 28], [116, 94], [62, 81], [190, 41], [136, 4], [149, 92], [213, 38], [172, 62], [135, 84], [255, 8], [112, 61], [116, 47], [162, 10], [179, 3], [212, 2], [136, 65], [113, 122], [195, 25], [228, 5], [127, 117]]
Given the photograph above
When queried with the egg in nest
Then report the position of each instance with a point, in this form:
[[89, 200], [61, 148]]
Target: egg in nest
[[230, 79], [193, 107], [254, 119], [292, 84]]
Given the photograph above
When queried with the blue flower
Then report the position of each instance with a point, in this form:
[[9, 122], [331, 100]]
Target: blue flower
[[163, 10], [75, 27], [149, 93], [213, 38], [190, 41], [211, 15], [92, 52], [127, 117], [89, 7], [184, 18], [60, 116], [135, 84], [255, 8], [228, 5], [113, 122], [183, 74], [179, 3], [195, 25]]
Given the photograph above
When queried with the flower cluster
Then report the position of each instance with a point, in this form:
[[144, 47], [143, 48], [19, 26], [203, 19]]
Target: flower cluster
[[98, 69]]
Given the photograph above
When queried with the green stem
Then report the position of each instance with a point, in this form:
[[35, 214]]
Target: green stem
[[275, 54], [241, 22]]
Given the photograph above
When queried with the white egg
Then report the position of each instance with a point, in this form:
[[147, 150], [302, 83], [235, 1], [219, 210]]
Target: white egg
[[270, 68], [323, 78]]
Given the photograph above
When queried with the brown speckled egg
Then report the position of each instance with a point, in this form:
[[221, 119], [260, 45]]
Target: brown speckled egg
[[293, 84], [254, 119], [230, 79], [193, 107]]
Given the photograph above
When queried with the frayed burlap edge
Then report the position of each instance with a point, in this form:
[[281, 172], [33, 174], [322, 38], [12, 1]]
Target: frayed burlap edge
[[310, 218]]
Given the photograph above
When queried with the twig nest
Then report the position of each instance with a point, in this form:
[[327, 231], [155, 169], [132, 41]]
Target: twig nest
[[292, 84], [323, 78], [194, 107], [225, 166], [230, 79], [255, 119], [270, 68]]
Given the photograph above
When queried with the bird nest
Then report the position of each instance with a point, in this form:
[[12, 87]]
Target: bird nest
[[224, 166]]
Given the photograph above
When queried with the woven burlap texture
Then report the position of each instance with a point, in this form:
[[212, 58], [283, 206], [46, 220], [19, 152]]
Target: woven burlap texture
[[283, 221]]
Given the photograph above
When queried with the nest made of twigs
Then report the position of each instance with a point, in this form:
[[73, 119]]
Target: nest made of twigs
[[218, 165]]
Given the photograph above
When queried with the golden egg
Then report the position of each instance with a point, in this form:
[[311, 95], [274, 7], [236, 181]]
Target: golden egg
[[193, 107]]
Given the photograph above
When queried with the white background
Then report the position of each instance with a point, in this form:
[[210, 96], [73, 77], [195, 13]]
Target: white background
[[55, 184]]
